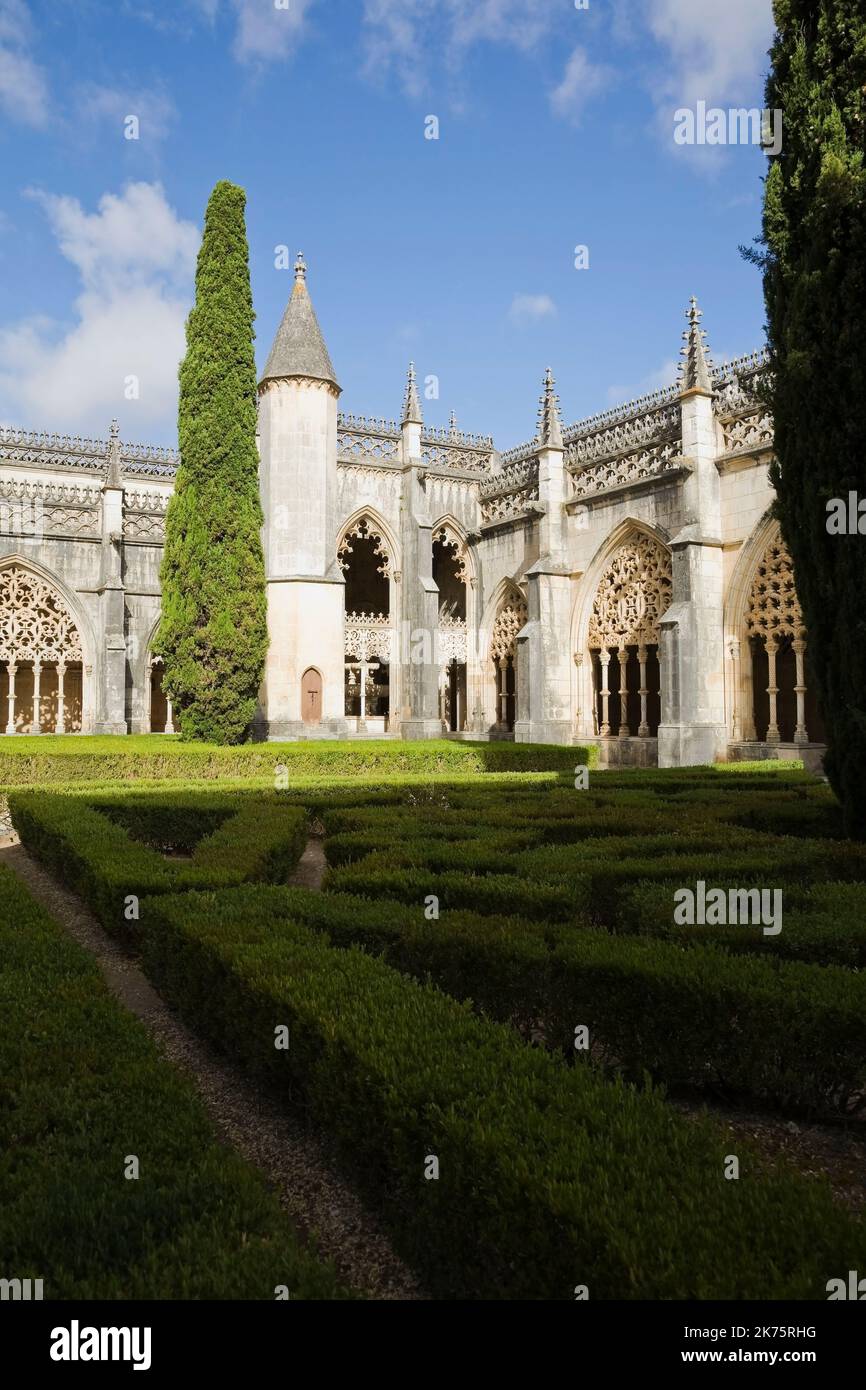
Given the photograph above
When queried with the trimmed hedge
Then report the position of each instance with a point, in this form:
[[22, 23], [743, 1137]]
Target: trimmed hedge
[[170, 822], [785, 1034], [83, 1087], [263, 839], [47, 758], [375, 876], [823, 924], [548, 1176]]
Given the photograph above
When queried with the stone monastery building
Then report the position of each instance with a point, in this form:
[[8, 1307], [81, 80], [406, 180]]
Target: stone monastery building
[[619, 581]]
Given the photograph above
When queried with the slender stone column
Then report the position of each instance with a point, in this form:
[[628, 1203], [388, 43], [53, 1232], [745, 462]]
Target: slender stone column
[[801, 735], [363, 715], [60, 727], [643, 730], [622, 658], [736, 693], [36, 725], [169, 717], [604, 660], [502, 667], [750, 733], [578, 711], [11, 671], [772, 690]]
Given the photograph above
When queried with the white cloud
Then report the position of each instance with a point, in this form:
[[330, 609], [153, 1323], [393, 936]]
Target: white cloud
[[581, 81], [520, 23], [716, 52], [135, 258], [153, 107], [530, 308], [23, 86], [407, 36], [666, 375], [266, 32]]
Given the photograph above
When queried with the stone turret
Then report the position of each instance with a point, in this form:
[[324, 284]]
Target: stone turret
[[298, 396]]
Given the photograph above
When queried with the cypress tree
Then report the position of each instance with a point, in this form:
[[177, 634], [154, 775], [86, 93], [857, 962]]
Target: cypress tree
[[814, 236], [213, 631]]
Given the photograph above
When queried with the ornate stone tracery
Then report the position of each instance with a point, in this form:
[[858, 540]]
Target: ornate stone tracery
[[452, 640], [363, 529], [633, 594], [511, 618], [774, 615], [446, 535], [774, 609], [368, 637], [36, 630], [35, 624]]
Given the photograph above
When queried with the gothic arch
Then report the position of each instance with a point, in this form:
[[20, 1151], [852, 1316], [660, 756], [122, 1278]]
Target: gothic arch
[[160, 711], [740, 583], [506, 589], [372, 611], [624, 594], [765, 644], [449, 529], [454, 574], [45, 647], [629, 529], [507, 614], [377, 528], [68, 597]]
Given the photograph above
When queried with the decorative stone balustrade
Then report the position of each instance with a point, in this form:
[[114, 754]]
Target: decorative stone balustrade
[[452, 640], [629, 468], [369, 637]]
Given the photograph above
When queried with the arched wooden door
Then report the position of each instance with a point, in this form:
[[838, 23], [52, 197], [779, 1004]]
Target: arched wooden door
[[311, 696]]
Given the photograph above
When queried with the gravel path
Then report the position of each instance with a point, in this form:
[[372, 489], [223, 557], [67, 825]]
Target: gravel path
[[312, 864], [296, 1165]]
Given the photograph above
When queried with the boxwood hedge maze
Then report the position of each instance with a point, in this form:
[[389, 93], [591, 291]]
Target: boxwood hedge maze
[[561, 1037]]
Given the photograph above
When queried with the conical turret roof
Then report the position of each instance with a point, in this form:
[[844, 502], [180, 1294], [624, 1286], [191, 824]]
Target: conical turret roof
[[299, 348]]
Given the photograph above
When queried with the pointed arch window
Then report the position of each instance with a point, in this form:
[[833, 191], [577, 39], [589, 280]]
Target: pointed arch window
[[510, 620], [40, 655], [633, 595]]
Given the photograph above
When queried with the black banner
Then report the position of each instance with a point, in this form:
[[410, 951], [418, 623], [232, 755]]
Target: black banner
[[158, 1339]]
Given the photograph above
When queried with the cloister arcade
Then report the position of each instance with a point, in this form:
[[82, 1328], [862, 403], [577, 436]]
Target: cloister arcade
[[771, 698], [451, 574], [631, 598], [41, 659], [511, 618], [370, 608]]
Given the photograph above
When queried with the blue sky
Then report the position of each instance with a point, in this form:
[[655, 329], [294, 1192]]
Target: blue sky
[[555, 130]]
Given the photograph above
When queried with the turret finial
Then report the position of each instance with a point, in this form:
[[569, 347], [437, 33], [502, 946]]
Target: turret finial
[[300, 269], [549, 421], [113, 471], [696, 366], [411, 403]]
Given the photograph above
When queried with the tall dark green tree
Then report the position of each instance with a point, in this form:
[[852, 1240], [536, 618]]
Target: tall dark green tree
[[814, 258], [213, 632]]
